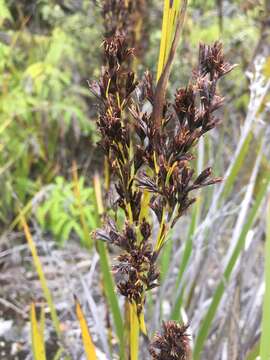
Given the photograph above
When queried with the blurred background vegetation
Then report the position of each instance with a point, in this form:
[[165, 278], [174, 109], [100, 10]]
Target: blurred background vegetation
[[49, 50]]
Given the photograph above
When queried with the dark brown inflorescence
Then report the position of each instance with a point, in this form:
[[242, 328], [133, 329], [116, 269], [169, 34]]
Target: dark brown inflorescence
[[172, 344], [126, 17], [150, 162], [136, 270]]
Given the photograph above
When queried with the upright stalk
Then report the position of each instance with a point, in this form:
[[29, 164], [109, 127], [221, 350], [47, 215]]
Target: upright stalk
[[264, 346], [151, 164]]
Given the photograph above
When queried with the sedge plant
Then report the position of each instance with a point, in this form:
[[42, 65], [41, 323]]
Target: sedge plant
[[149, 141]]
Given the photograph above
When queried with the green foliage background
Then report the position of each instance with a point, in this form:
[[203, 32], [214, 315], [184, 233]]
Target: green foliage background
[[47, 53]]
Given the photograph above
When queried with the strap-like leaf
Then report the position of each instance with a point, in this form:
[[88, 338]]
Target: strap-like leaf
[[38, 345], [89, 347], [264, 346], [41, 275]]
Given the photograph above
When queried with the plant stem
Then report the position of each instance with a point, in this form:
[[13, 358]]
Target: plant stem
[[134, 332], [264, 346], [108, 280]]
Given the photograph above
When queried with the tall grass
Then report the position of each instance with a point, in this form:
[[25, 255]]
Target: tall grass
[[88, 345], [264, 346], [198, 251], [212, 310], [37, 332], [195, 253], [42, 278], [108, 281]]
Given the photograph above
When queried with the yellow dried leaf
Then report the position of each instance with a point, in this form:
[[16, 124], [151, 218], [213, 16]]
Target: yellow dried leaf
[[89, 347], [38, 345]]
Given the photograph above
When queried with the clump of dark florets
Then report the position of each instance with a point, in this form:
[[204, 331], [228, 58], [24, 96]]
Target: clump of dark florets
[[172, 344], [135, 270], [150, 157]]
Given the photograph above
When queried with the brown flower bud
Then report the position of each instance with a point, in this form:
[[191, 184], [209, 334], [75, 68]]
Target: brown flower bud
[[172, 344]]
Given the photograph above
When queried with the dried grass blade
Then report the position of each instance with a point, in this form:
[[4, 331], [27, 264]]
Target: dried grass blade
[[37, 331], [207, 321], [89, 347], [41, 276]]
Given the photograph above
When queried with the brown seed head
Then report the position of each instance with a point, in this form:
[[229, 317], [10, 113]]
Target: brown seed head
[[172, 344]]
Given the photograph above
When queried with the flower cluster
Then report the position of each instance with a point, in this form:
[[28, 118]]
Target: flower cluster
[[172, 344], [150, 159], [114, 91], [124, 17], [167, 149], [136, 270]]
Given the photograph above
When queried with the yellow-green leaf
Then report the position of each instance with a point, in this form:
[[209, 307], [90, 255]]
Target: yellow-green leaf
[[264, 345], [170, 15], [38, 345], [89, 347], [267, 67], [4, 12], [134, 332], [41, 275]]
